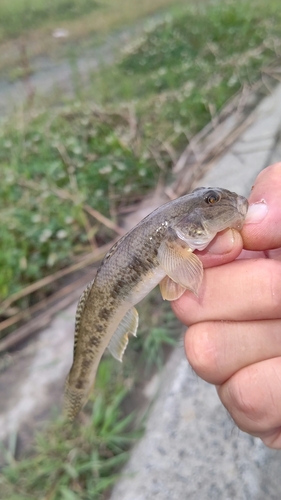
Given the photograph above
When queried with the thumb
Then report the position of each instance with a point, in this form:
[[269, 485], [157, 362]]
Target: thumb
[[262, 228]]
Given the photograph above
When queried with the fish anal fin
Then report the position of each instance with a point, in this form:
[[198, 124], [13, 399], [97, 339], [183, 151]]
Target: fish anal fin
[[127, 326], [180, 264], [170, 290]]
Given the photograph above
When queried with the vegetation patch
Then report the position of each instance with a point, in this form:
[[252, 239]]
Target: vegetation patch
[[104, 151], [81, 461], [20, 16], [53, 166], [123, 139]]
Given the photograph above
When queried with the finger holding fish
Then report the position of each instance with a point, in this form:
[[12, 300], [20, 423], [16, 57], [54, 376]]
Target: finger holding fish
[[234, 341], [262, 226], [253, 398], [218, 349], [243, 290], [225, 247]]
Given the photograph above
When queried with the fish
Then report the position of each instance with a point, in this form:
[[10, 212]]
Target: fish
[[158, 250]]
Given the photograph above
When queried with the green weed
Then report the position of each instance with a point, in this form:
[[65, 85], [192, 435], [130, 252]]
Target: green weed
[[74, 461], [53, 28], [109, 153], [20, 16], [82, 460], [52, 167], [183, 70]]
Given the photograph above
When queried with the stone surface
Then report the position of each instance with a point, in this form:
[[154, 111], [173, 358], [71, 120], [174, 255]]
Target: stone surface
[[191, 449], [36, 376], [256, 148]]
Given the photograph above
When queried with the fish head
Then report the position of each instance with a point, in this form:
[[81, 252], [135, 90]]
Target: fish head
[[212, 210]]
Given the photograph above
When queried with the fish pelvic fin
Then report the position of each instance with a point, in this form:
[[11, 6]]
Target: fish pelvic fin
[[170, 290], [181, 265]]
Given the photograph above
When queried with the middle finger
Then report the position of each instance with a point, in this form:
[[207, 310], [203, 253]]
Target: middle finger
[[240, 291]]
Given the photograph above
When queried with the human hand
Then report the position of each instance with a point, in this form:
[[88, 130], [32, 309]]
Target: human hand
[[234, 340]]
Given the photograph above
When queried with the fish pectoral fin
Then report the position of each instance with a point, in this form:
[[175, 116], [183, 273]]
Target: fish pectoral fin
[[170, 290], [181, 265], [119, 341]]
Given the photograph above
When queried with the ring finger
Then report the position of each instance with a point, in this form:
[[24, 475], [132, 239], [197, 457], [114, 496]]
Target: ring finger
[[218, 349]]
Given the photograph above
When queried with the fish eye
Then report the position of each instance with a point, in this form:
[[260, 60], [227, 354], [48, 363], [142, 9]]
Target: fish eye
[[212, 197]]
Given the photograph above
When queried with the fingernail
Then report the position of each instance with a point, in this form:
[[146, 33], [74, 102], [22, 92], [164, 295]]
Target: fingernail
[[256, 212], [224, 243]]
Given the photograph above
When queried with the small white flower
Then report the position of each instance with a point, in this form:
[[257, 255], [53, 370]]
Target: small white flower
[[60, 33], [99, 193], [77, 150], [36, 218], [68, 219], [106, 169], [61, 234], [45, 235], [120, 166], [52, 257], [23, 263], [232, 81], [45, 194], [10, 177]]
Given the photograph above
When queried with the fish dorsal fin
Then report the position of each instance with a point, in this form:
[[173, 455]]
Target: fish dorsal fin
[[180, 264], [119, 341], [170, 290], [79, 311]]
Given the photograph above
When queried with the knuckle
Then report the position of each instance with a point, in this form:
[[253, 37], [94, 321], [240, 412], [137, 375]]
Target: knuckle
[[185, 310], [270, 274], [264, 287], [201, 351], [272, 439], [240, 398]]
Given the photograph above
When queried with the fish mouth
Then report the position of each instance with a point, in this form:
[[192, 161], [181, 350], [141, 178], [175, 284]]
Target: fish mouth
[[242, 208]]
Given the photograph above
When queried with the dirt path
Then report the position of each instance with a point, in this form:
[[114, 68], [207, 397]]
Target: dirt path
[[48, 74]]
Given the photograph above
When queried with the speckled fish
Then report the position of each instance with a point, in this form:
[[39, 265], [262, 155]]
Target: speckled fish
[[159, 250]]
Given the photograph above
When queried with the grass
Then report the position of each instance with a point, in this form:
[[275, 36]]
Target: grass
[[19, 16], [114, 146], [82, 460], [73, 462], [186, 68], [79, 152], [107, 149], [86, 23]]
